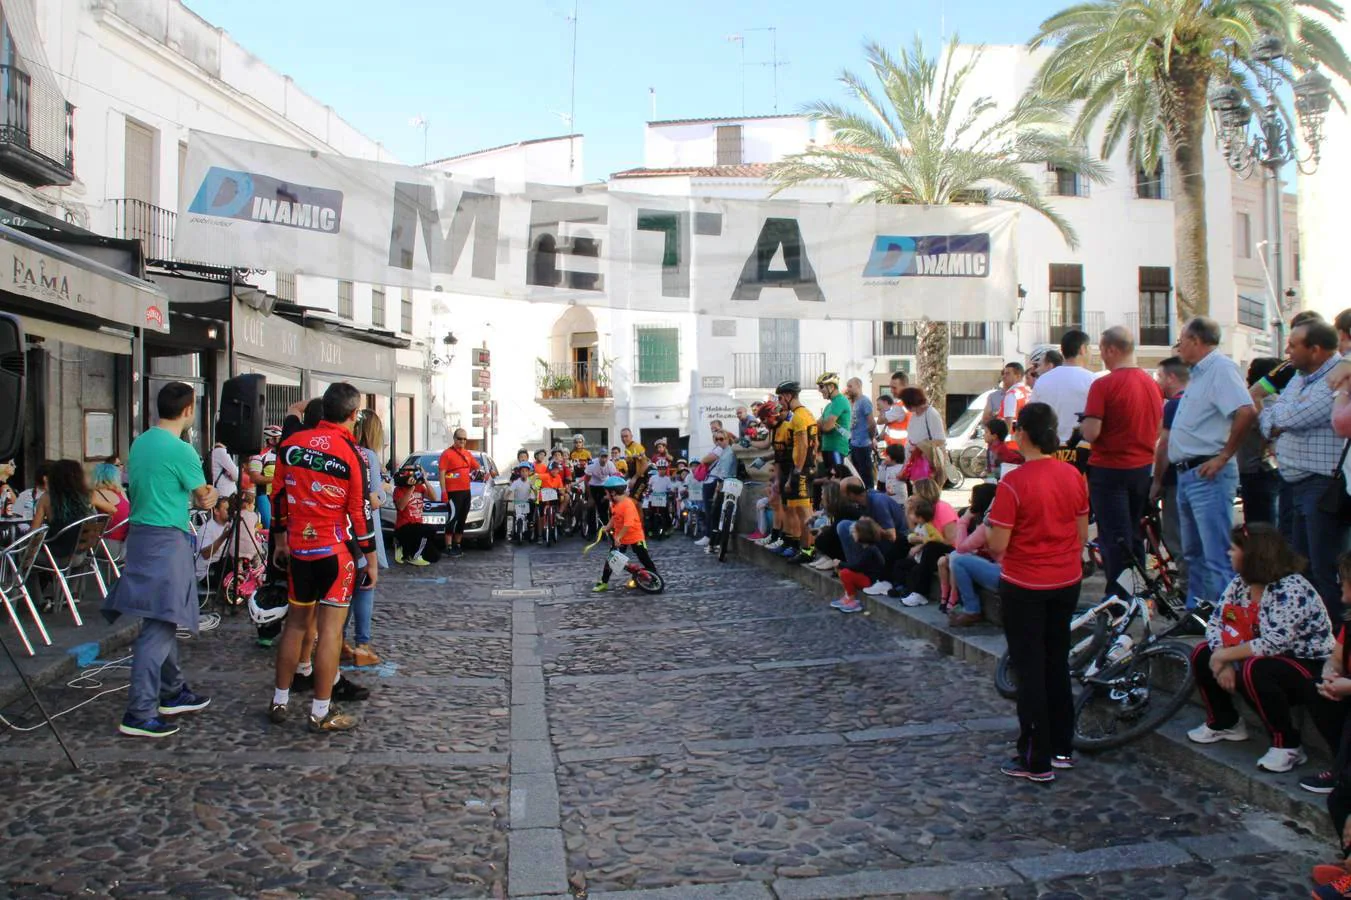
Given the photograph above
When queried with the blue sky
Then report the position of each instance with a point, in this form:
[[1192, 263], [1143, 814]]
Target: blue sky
[[485, 74]]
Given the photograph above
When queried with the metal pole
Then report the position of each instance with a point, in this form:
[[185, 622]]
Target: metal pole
[[1272, 125], [572, 100]]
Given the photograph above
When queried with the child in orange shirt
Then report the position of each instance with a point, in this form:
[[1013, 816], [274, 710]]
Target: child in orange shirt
[[625, 528]]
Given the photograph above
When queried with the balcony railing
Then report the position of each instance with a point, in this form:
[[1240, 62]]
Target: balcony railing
[[1052, 325], [1149, 332], [571, 381], [37, 131], [152, 225], [964, 338], [768, 370]]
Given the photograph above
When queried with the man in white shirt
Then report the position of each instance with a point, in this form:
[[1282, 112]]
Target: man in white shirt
[[1065, 387], [211, 541]]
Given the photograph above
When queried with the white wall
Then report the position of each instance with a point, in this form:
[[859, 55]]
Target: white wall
[[676, 144]]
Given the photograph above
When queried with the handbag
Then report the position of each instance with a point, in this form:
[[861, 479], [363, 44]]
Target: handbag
[[1335, 500]]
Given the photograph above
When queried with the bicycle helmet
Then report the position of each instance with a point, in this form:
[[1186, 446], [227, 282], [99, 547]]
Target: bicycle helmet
[[525, 465], [268, 604], [792, 388], [614, 483], [578, 439], [662, 463], [769, 411], [271, 432], [828, 378]]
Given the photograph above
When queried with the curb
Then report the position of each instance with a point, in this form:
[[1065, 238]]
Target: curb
[[1229, 764], [58, 661]]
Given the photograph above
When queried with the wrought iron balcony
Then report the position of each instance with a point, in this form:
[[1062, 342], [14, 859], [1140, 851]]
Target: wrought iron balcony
[[571, 381], [152, 225], [769, 370], [37, 131], [1150, 332], [1052, 325], [964, 338]]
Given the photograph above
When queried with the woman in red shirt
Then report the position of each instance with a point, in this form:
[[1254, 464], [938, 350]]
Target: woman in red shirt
[[457, 466], [1039, 522]]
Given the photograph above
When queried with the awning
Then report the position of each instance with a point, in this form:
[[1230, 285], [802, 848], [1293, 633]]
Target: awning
[[67, 282]]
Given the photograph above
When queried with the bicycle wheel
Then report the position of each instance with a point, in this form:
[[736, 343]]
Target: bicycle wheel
[[648, 582], [1085, 639], [728, 528], [972, 461], [1133, 697]]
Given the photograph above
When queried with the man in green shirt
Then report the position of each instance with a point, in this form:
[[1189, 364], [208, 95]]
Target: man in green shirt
[[159, 583], [836, 419]]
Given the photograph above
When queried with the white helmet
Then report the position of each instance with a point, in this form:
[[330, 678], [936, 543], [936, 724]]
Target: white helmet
[[268, 604]]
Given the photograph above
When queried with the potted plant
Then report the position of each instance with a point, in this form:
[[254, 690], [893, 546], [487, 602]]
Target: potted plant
[[562, 385], [603, 376], [543, 380]]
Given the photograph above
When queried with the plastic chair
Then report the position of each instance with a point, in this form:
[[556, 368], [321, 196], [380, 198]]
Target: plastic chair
[[80, 563], [16, 561]]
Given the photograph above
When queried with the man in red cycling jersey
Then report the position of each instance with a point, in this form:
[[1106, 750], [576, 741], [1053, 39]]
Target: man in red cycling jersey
[[327, 510]]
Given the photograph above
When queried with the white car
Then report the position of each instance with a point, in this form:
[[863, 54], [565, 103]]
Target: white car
[[487, 519]]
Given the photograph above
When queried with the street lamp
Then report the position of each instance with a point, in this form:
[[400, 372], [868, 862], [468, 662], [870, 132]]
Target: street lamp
[[1272, 144]]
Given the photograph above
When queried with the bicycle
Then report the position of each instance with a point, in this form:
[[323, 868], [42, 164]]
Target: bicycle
[[972, 461], [731, 492], [1091, 624], [644, 579], [520, 523], [548, 516], [579, 519]]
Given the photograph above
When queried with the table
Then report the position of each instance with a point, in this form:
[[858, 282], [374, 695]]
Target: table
[[10, 529]]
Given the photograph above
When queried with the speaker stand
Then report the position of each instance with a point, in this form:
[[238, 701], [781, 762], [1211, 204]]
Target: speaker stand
[[38, 703]]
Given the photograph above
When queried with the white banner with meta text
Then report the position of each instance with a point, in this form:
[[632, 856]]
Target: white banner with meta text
[[261, 206]]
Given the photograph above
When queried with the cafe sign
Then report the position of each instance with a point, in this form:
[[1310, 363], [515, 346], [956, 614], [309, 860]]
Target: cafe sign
[[65, 279]]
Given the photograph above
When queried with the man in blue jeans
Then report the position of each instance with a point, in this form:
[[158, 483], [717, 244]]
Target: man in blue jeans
[[861, 441], [1212, 419], [158, 583], [1299, 422]]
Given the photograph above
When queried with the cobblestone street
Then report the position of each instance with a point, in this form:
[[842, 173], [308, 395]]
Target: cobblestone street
[[732, 738]]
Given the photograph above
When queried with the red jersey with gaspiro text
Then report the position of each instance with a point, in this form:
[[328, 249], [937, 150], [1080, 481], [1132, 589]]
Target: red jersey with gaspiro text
[[327, 492]]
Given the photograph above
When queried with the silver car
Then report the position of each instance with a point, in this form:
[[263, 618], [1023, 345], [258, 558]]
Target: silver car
[[487, 521]]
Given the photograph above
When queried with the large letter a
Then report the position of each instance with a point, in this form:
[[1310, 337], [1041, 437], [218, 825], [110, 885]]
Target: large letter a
[[797, 272]]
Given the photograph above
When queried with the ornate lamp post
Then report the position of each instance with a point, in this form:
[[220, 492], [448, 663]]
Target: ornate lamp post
[[1272, 143]]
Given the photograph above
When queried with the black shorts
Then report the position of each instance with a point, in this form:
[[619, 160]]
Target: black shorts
[[457, 511], [327, 580]]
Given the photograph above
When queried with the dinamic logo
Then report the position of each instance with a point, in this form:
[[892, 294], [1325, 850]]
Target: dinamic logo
[[935, 255], [250, 197]]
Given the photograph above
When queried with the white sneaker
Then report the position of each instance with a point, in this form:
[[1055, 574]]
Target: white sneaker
[[822, 564], [764, 541], [776, 544], [1204, 734], [1281, 759], [877, 589], [702, 542], [915, 599]]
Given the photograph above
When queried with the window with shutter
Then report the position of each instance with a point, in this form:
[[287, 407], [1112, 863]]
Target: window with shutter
[[345, 299], [1156, 284], [729, 145], [406, 311], [378, 307], [658, 355], [139, 165]]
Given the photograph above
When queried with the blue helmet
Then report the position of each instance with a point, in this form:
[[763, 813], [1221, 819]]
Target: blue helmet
[[614, 483]]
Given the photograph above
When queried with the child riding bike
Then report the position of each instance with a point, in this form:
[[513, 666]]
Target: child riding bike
[[625, 529]]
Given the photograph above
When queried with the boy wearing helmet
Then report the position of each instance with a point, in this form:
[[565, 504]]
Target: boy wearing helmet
[[659, 490], [625, 529], [261, 469], [579, 453]]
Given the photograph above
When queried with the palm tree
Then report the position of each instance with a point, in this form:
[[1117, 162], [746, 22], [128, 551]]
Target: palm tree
[[917, 142], [1147, 65]]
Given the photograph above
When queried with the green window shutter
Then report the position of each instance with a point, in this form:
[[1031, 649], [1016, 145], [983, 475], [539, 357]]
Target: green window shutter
[[658, 355]]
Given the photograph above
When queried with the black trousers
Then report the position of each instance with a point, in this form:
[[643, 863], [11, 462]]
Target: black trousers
[[1272, 685], [1119, 497], [1339, 801], [918, 573], [862, 458], [458, 514], [1037, 626], [638, 550], [828, 543], [600, 506], [416, 539]]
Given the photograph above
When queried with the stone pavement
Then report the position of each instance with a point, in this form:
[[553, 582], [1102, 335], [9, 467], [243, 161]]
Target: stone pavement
[[730, 738]]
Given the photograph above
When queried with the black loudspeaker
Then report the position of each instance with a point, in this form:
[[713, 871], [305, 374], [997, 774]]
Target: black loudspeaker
[[12, 372], [243, 409]]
